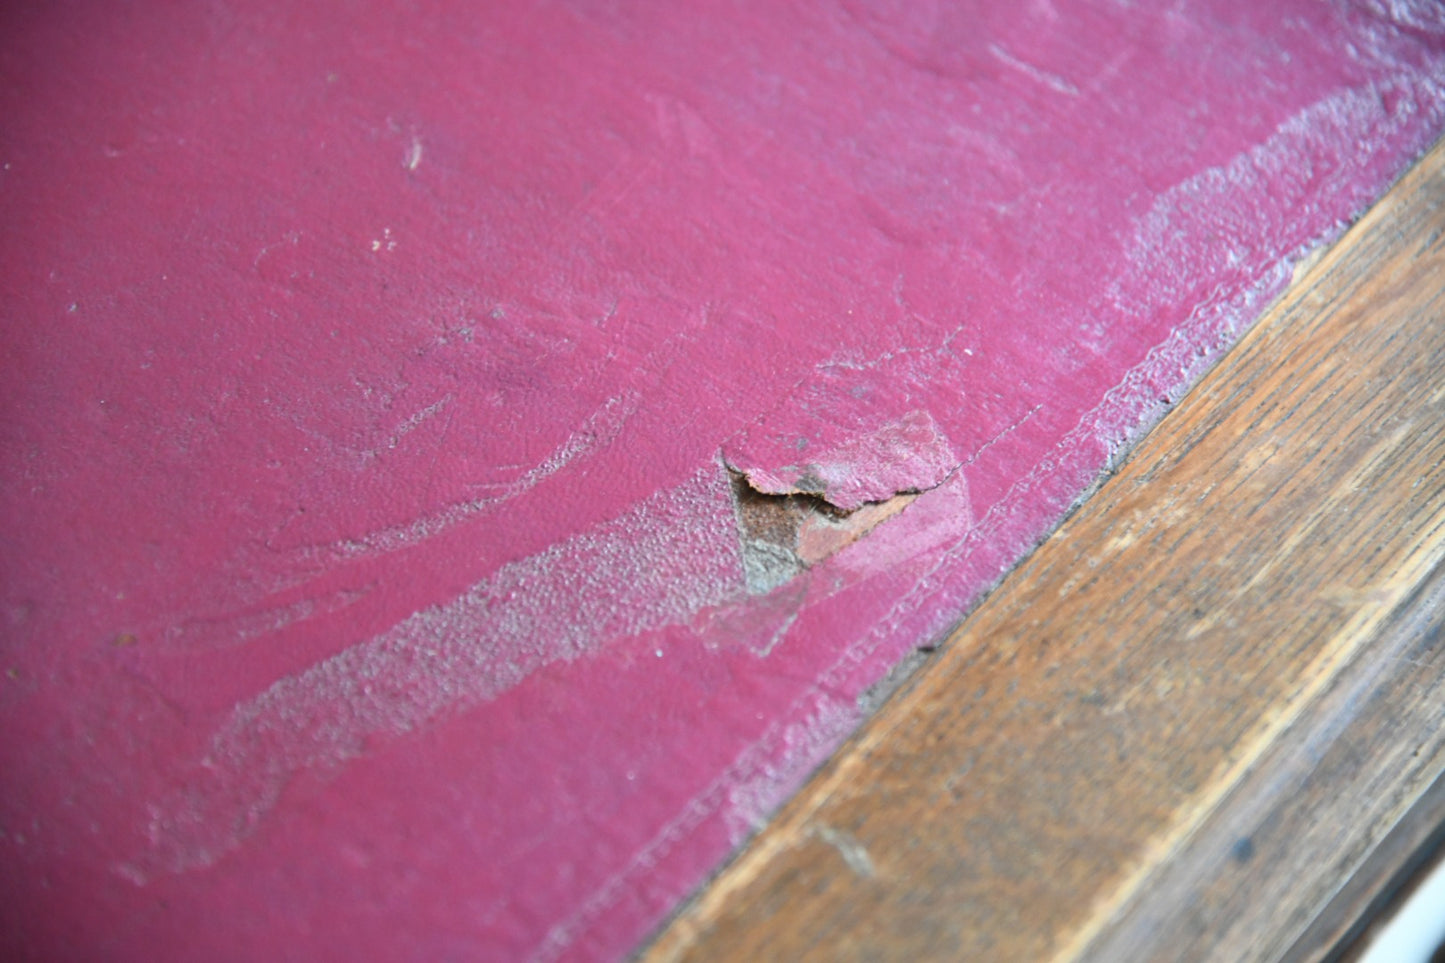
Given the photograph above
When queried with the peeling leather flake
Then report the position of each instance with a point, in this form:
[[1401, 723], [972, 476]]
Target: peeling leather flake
[[451, 501], [903, 457], [850, 434]]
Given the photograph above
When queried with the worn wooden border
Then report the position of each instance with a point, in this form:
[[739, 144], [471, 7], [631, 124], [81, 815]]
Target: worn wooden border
[[1381, 885], [1182, 725]]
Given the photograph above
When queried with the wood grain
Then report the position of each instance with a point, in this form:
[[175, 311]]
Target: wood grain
[[1181, 725], [1364, 903]]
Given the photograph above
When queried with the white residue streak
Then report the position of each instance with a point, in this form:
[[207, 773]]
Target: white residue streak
[[408, 426], [600, 429], [1165, 246], [853, 852], [227, 631], [670, 556], [1053, 81]]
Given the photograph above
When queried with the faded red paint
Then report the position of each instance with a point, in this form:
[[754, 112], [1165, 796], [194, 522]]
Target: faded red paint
[[372, 587]]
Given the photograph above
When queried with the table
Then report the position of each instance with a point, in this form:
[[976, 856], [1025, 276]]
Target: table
[[1206, 719]]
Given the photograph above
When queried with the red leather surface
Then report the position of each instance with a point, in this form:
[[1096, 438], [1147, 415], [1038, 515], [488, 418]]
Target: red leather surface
[[372, 582]]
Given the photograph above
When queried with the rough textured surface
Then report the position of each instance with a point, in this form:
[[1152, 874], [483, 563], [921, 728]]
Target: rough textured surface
[[1195, 717], [373, 577]]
